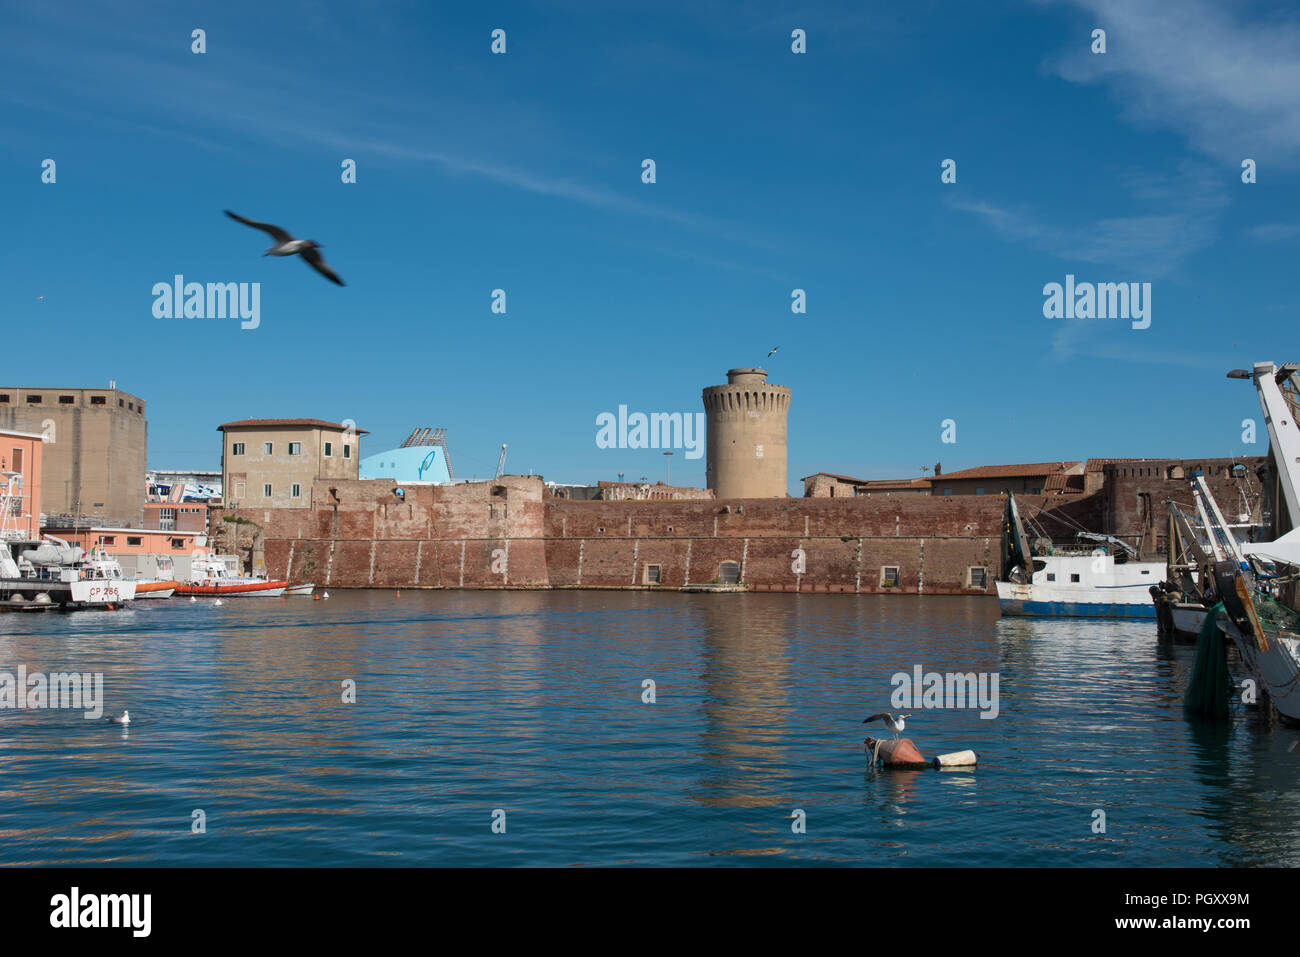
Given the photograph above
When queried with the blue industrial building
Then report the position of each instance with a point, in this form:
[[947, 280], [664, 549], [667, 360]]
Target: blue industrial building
[[423, 457]]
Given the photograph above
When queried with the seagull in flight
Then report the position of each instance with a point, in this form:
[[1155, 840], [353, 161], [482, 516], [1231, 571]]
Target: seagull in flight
[[895, 725], [773, 352], [286, 245]]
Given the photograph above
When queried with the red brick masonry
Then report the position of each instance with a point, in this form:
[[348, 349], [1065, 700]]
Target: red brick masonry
[[511, 533]]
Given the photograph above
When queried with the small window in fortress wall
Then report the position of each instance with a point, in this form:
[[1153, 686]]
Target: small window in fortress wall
[[729, 573], [977, 577], [889, 576], [98, 400], [652, 574]]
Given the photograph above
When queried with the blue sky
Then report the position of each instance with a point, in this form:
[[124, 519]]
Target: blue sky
[[775, 171]]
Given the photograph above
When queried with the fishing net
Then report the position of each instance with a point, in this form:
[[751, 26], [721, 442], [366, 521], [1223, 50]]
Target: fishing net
[[1207, 693]]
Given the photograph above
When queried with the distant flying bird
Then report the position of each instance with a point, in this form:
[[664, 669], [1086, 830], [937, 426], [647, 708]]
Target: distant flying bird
[[773, 352], [895, 725], [40, 298], [125, 719], [286, 245]]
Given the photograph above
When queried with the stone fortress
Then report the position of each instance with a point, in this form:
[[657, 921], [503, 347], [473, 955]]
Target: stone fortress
[[514, 532]]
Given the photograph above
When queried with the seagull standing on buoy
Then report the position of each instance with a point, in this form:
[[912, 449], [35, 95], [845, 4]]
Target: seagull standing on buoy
[[286, 245], [895, 725]]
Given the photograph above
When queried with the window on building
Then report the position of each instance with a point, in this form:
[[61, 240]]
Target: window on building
[[980, 490], [109, 539], [34, 399], [134, 540], [1074, 577], [121, 403], [329, 449], [652, 574], [239, 490], [237, 448], [98, 400], [67, 399], [16, 456], [729, 573], [1051, 576], [947, 491], [4, 397], [977, 577], [267, 447], [295, 448], [131, 406], [889, 576], [1036, 491], [266, 491], [178, 543], [347, 451], [295, 490]]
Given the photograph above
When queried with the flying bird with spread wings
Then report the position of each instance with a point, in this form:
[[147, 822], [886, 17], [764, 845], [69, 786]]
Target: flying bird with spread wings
[[286, 245]]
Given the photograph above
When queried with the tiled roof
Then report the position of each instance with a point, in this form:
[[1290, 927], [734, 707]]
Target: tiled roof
[[1061, 482], [843, 478], [1008, 471], [1096, 465], [276, 423], [896, 483]]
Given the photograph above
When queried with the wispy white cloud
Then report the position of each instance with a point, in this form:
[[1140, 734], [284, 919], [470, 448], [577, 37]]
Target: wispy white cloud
[[1274, 232], [1181, 217], [1200, 69]]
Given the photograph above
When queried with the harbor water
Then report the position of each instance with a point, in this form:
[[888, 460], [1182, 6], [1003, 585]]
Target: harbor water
[[529, 711]]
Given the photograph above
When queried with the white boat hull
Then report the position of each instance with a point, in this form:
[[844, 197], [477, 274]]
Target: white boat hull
[[1188, 618], [1083, 586]]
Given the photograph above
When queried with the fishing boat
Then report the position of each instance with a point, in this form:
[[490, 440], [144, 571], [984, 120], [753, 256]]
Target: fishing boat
[[1260, 584], [1102, 581], [1184, 599], [301, 591], [209, 577]]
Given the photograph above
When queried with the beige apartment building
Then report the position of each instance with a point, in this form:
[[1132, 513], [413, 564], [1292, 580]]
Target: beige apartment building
[[272, 463], [93, 453]]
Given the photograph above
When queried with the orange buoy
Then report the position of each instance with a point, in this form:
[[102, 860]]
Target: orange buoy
[[316, 597], [900, 753]]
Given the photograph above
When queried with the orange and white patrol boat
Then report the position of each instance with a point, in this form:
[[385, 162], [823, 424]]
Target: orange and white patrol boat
[[209, 577]]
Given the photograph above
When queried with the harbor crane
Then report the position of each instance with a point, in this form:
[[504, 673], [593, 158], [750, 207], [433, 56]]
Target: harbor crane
[[501, 462]]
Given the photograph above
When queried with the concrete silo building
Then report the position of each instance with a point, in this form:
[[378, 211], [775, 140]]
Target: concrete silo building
[[746, 445]]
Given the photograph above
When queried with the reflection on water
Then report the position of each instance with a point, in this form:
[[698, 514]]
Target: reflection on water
[[531, 702]]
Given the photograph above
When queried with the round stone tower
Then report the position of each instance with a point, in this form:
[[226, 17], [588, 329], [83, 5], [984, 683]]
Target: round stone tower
[[746, 445]]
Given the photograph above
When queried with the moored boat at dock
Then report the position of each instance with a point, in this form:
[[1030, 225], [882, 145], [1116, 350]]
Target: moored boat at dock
[[1260, 584], [210, 578], [1093, 583]]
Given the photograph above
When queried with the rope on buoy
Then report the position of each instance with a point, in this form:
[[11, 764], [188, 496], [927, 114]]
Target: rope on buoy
[[875, 750]]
